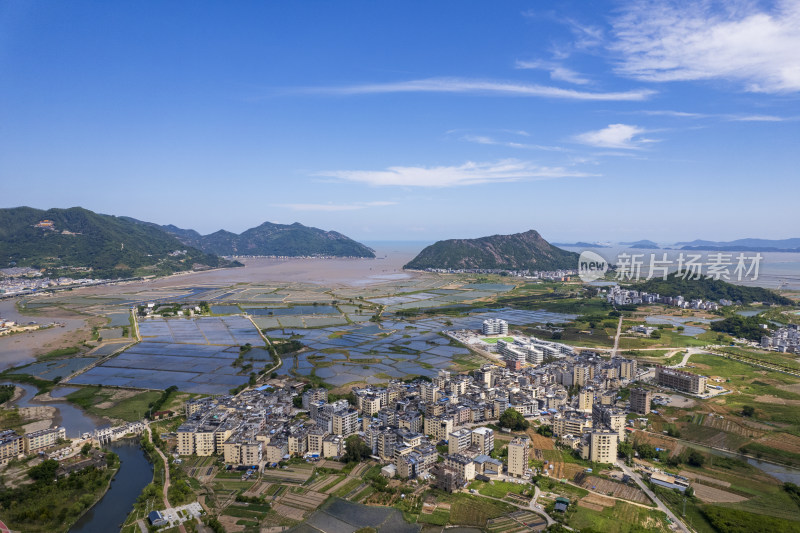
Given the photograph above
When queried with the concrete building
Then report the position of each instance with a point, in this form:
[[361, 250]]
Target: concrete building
[[680, 380], [438, 427], [276, 450], [458, 441], [314, 396], [11, 446], [610, 418], [333, 446], [571, 424], [495, 326], [518, 455], [600, 446], [483, 439], [462, 465], [44, 438], [315, 436], [640, 401], [585, 399], [345, 422]]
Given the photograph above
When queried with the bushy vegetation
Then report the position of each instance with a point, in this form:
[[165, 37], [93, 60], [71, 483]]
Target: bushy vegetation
[[6, 393], [355, 450], [729, 520], [745, 327], [156, 406], [513, 419], [710, 289], [48, 504]]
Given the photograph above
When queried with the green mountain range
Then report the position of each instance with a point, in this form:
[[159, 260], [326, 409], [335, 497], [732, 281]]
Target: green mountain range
[[69, 241], [520, 251], [291, 240]]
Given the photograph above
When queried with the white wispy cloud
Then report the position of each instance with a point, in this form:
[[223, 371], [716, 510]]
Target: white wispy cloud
[[484, 139], [722, 116], [334, 207], [660, 40], [469, 173], [586, 35], [557, 71], [488, 87], [756, 118], [614, 136]]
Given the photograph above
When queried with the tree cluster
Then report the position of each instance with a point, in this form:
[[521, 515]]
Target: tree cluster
[[513, 420]]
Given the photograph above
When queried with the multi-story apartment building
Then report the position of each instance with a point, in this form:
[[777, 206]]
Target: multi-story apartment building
[[11, 446], [333, 446], [315, 436], [640, 401], [571, 424], [600, 446], [518, 455], [585, 399], [312, 396], [276, 450], [42, 439], [680, 380], [458, 441], [611, 418], [462, 465], [483, 439], [438, 427], [345, 422], [495, 326]]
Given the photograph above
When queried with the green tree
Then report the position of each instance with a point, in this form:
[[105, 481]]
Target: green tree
[[748, 410], [513, 419], [625, 449], [45, 471], [355, 449], [695, 458]]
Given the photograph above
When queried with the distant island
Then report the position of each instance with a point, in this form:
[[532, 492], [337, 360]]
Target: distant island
[[270, 239], [520, 251], [743, 245], [581, 244], [647, 245]]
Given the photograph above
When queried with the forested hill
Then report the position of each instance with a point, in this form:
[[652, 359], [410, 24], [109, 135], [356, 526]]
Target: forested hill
[[520, 251], [710, 289], [291, 240], [112, 247]]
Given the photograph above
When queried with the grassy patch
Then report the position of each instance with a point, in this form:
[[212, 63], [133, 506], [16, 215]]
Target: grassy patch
[[439, 517], [498, 489], [620, 518], [128, 409]]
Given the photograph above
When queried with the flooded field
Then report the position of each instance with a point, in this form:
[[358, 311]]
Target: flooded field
[[194, 354]]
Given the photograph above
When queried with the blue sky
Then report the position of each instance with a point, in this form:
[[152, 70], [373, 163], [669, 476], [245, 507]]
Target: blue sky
[[409, 120]]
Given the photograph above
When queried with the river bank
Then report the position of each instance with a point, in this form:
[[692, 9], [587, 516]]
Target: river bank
[[22, 348], [113, 504]]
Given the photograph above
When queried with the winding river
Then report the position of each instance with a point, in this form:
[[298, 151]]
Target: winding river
[[134, 474]]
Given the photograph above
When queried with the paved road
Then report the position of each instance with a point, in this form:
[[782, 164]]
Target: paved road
[[689, 352], [616, 338], [652, 496], [538, 510], [167, 506]]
